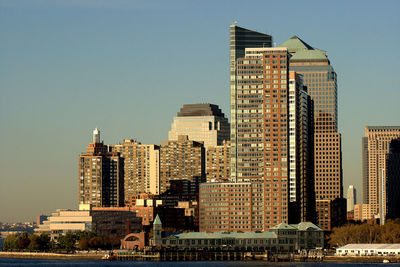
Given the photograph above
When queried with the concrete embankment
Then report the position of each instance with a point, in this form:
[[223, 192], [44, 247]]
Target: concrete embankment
[[50, 256], [361, 259]]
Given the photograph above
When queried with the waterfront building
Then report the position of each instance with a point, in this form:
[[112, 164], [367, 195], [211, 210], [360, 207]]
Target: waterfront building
[[393, 180], [101, 177], [182, 159], [201, 123], [240, 39], [141, 167], [218, 163], [280, 238], [321, 81], [63, 221], [369, 250], [379, 139], [351, 198]]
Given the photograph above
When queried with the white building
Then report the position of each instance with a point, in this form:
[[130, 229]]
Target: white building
[[351, 198], [369, 250], [63, 221]]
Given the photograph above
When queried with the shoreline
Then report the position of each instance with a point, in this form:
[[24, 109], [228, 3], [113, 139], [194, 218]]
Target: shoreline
[[59, 256]]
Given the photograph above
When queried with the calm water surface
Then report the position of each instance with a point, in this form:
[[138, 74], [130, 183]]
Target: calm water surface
[[29, 262]]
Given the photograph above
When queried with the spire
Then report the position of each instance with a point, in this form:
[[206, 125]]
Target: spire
[[157, 220], [96, 136]]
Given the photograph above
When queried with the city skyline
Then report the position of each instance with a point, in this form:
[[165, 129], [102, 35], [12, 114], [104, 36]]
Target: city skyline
[[92, 72]]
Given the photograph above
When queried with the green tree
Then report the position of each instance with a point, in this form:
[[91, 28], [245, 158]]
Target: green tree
[[67, 241], [44, 242], [11, 242], [34, 243]]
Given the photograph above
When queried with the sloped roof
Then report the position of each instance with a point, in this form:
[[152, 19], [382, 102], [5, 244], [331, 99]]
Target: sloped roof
[[283, 226], [304, 226], [157, 220], [309, 54], [296, 44]]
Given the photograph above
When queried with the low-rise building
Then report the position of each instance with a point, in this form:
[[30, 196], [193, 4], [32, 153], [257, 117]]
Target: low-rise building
[[369, 250], [282, 237]]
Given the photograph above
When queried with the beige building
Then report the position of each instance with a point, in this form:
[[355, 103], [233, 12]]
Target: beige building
[[201, 123], [218, 163], [362, 212], [141, 167], [63, 221], [101, 179], [182, 159], [378, 139]]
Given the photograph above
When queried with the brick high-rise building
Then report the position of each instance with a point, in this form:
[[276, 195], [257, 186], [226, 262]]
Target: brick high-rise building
[[101, 177], [201, 123], [240, 39], [218, 163], [182, 159], [320, 79], [378, 138], [141, 167]]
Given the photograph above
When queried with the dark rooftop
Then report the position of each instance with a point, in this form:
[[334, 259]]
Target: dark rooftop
[[200, 110]]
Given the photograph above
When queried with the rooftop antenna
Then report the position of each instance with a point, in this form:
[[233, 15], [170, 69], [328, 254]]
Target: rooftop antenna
[[234, 22]]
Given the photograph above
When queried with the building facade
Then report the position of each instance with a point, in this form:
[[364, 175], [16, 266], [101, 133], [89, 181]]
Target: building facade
[[141, 167], [101, 175], [379, 138], [182, 159], [321, 81], [201, 123], [351, 198], [240, 39], [393, 180], [218, 163]]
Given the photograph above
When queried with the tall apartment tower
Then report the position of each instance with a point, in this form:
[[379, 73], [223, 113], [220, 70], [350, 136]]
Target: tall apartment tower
[[393, 180], [141, 167], [101, 176], [364, 152], [379, 139], [201, 123], [182, 159], [351, 198], [320, 79], [271, 106], [240, 39]]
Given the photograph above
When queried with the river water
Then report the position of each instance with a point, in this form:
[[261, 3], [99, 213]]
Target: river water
[[38, 262]]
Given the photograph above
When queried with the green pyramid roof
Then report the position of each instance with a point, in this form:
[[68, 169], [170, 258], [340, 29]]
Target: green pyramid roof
[[296, 44], [157, 221], [283, 226], [309, 54]]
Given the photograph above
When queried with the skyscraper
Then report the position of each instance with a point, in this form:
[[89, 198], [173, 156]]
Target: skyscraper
[[320, 79], [141, 167], [101, 179], [393, 180], [202, 123], [379, 138], [240, 39]]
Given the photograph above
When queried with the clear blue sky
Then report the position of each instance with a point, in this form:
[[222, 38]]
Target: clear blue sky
[[125, 66]]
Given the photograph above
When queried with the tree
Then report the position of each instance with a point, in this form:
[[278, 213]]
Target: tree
[[96, 242], [23, 241], [11, 242], [44, 242], [83, 244], [34, 243], [67, 241]]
